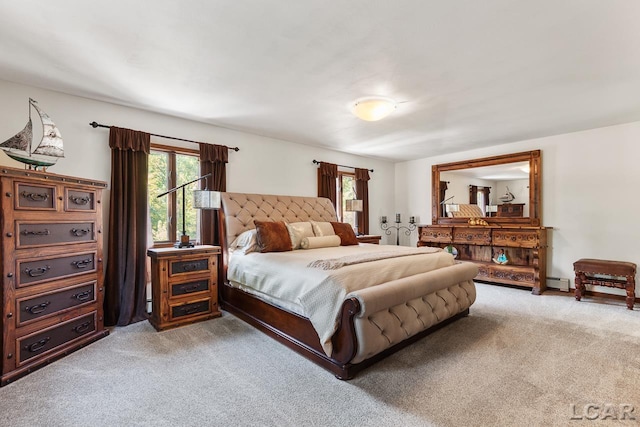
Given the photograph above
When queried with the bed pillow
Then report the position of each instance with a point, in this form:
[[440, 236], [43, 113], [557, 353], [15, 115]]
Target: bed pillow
[[320, 242], [246, 242], [322, 228], [346, 233], [272, 236], [298, 230]]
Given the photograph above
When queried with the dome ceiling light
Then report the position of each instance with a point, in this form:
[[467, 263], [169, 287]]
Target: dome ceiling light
[[373, 108]]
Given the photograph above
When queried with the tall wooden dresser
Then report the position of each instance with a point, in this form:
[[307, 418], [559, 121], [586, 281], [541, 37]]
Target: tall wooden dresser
[[52, 273]]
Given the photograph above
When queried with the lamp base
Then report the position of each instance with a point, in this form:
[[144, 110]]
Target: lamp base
[[184, 242]]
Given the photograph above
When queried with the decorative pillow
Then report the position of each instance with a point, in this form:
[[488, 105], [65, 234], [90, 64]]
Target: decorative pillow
[[246, 242], [298, 230], [272, 236], [322, 228], [320, 242], [346, 233]]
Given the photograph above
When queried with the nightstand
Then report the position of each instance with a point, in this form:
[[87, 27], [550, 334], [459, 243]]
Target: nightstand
[[184, 285], [369, 238]]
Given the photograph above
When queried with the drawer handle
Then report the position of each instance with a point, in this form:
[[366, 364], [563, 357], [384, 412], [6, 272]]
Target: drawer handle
[[82, 328], [82, 296], [36, 197], [35, 272], [38, 345], [44, 232], [82, 263], [79, 200], [36, 309], [78, 232], [191, 310], [190, 267], [191, 288]]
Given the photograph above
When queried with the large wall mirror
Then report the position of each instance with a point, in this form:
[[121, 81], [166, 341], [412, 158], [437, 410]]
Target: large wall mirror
[[501, 190]]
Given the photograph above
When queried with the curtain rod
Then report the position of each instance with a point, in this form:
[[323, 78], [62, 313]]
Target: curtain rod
[[342, 166], [98, 125]]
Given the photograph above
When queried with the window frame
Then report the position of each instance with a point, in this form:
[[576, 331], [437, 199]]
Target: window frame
[[172, 198], [340, 201]]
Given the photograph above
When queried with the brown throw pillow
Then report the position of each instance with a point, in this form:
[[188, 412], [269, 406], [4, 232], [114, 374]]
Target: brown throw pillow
[[272, 236], [346, 233]]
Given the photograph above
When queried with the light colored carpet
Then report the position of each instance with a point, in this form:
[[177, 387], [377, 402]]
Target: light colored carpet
[[518, 359]]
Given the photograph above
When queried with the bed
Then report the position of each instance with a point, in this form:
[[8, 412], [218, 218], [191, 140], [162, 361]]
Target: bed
[[373, 301]]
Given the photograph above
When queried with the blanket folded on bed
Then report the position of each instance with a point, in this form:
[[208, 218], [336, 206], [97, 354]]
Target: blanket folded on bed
[[335, 263]]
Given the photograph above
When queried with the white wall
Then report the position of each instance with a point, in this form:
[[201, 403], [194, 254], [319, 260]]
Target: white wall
[[589, 194], [263, 165]]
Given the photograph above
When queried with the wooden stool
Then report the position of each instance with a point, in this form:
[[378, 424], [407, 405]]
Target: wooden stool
[[614, 274]]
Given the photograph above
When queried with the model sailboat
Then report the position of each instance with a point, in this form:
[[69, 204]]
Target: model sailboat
[[46, 153]]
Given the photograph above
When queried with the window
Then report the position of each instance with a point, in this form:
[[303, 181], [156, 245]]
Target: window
[[346, 190], [168, 168]]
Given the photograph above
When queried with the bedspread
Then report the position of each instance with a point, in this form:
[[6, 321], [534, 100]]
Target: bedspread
[[285, 277]]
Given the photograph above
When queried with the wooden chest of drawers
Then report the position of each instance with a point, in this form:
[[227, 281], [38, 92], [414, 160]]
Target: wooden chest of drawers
[[184, 284], [52, 273]]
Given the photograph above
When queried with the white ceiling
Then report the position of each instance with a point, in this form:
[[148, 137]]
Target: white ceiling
[[467, 73]]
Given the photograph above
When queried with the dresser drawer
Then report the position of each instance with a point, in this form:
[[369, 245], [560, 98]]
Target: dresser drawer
[[189, 266], [35, 197], [472, 236], [45, 269], [187, 288], [190, 309], [523, 275], [436, 234], [43, 305], [516, 238], [32, 234], [41, 342], [78, 200]]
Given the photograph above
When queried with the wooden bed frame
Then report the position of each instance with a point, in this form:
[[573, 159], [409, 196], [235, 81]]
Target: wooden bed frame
[[297, 332]]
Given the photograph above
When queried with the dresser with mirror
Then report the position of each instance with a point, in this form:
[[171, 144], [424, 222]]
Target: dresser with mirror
[[488, 211]]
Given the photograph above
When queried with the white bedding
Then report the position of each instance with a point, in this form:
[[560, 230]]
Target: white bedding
[[283, 278]]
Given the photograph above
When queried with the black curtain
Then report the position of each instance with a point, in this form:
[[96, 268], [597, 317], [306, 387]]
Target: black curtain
[[125, 280]]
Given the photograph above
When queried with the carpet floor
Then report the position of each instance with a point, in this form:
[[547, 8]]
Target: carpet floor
[[517, 359]]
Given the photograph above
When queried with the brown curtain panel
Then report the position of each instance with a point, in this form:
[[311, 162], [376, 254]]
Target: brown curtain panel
[[327, 174], [443, 197], [125, 280], [362, 193], [213, 160], [486, 191], [473, 194]]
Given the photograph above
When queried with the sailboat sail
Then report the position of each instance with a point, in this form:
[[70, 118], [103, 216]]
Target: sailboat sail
[[51, 144], [46, 153]]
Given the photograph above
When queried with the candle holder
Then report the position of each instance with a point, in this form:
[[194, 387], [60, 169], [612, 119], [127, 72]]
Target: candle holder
[[408, 229]]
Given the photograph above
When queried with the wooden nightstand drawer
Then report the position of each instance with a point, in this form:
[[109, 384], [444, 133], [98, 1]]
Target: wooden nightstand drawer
[[188, 288], [190, 309], [190, 266]]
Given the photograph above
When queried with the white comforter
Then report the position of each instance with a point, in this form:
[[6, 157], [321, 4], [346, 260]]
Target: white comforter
[[286, 279]]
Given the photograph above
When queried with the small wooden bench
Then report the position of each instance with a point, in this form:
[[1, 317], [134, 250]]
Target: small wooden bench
[[614, 274]]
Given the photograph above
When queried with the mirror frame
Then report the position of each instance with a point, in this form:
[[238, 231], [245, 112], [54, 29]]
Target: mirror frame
[[535, 179]]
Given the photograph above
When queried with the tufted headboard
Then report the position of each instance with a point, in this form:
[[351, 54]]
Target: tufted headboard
[[241, 209]]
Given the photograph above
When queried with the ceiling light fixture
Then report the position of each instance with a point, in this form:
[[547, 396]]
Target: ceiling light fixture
[[373, 108]]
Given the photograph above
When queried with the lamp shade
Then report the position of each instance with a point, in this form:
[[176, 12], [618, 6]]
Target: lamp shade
[[491, 208], [353, 205], [205, 199], [452, 208], [373, 108]]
